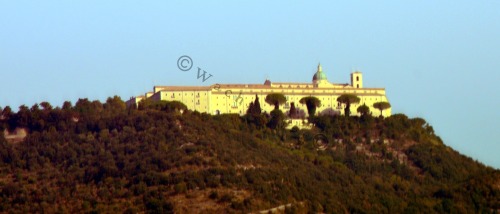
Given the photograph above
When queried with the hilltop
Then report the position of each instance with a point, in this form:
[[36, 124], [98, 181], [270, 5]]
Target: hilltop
[[160, 158]]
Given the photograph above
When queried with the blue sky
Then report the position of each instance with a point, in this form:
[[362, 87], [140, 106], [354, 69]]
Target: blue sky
[[438, 60]]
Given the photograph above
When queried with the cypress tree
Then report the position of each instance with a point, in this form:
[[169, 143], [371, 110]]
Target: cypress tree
[[256, 105], [293, 111], [251, 108]]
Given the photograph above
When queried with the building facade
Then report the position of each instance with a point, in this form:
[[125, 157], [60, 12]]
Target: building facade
[[236, 98]]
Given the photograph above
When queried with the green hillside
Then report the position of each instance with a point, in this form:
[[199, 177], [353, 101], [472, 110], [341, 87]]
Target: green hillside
[[95, 157]]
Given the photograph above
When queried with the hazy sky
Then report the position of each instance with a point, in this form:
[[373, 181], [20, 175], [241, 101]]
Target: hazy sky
[[438, 60]]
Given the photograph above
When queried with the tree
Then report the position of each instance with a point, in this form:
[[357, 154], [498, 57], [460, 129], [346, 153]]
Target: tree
[[144, 104], [46, 106], [7, 111], [36, 120], [83, 106], [348, 99], [6, 114], [175, 106], [162, 105], [87, 110], [276, 121], [293, 111], [251, 116], [256, 105], [275, 99], [250, 109], [254, 114], [67, 105], [363, 110], [115, 103], [381, 106], [23, 117], [312, 103]]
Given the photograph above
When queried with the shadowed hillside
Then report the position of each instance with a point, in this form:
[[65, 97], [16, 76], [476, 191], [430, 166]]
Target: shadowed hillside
[[106, 158]]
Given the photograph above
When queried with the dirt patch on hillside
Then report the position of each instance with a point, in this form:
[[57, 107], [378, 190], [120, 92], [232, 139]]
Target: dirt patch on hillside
[[15, 136]]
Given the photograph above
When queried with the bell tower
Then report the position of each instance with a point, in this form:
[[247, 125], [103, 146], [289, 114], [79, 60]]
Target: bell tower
[[357, 79]]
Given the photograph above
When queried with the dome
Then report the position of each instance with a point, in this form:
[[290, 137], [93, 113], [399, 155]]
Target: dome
[[319, 75]]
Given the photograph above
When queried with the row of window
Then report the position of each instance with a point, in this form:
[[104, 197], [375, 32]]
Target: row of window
[[180, 94], [286, 104], [324, 91]]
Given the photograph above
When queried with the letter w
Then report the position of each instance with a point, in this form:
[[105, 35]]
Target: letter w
[[204, 73]]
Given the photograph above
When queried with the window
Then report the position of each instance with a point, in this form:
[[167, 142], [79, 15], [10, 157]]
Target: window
[[357, 78]]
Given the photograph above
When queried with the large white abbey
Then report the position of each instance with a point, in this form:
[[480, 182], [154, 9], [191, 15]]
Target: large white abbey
[[235, 98]]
